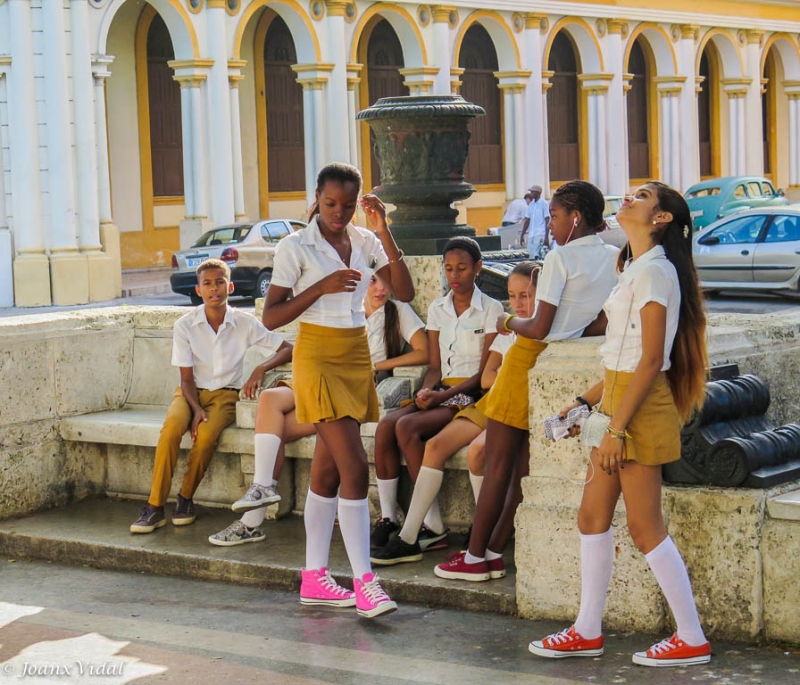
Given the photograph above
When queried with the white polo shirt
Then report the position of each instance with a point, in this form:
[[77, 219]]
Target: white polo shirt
[[409, 322], [651, 277], [577, 278], [217, 359], [461, 337], [305, 257], [516, 211], [538, 211]]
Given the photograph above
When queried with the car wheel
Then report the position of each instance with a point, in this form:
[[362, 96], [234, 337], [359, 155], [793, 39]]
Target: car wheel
[[262, 284], [195, 298]]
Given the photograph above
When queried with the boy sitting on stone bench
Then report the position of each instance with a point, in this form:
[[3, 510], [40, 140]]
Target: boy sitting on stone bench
[[209, 345]]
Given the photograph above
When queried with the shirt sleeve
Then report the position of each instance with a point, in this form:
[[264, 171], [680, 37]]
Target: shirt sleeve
[[376, 255], [181, 349], [264, 339], [501, 344], [434, 324], [552, 279], [287, 267], [652, 285], [410, 323], [493, 310]]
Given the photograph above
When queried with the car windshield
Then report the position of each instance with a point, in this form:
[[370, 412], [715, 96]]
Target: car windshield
[[702, 192], [612, 206], [223, 236]]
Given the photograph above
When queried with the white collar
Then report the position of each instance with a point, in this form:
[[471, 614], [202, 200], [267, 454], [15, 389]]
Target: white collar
[[200, 316], [475, 303], [633, 267], [311, 235]]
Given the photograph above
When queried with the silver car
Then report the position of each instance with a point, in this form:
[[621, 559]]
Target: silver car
[[758, 249], [247, 248]]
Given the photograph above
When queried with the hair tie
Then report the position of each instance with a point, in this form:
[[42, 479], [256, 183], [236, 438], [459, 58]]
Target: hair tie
[[685, 231]]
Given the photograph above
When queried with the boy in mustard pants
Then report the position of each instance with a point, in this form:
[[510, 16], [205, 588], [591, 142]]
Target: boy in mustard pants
[[209, 344]]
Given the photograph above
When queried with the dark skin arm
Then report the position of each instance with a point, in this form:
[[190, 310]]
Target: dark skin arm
[[597, 327], [395, 274], [418, 355], [537, 327], [283, 355], [189, 390]]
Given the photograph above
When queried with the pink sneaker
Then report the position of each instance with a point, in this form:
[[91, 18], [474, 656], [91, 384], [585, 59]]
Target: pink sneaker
[[318, 587], [497, 569], [456, 568], [371, 600]]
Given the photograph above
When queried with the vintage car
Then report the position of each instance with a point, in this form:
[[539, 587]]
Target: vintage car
[[716, 198]]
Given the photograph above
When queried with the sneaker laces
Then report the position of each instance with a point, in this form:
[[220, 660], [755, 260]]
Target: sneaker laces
[[374, 592], [331, 585], [663, 647], [563, 637]]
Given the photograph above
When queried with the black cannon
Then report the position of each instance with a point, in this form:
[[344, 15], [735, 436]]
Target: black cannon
[[731, 442]]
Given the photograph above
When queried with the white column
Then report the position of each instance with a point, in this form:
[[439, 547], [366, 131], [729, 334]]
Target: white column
[[85, 143], [236, 146], [352, 108], [669, 91], [752, 105], [309, 142], [736, 131], [690, 133], [510, 141], [618, 173], [336, 121], [596, 88], [320, 119], [219, 119], [794, 136], [442, 48], [313, 77], [521, 184], [199, 156], [627, 78], [187, 134], [6, 254], [533, 143], [546, 85], [100, 71], [68, 269]]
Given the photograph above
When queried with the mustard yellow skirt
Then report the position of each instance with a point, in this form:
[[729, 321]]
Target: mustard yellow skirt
[[472, 413], [332, 375], [507, 399], [655, 428]]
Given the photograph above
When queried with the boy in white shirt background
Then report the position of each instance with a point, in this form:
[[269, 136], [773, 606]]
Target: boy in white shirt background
[[209, 344]]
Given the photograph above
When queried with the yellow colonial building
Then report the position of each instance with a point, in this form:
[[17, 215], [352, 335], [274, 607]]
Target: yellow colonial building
[[129, 127]]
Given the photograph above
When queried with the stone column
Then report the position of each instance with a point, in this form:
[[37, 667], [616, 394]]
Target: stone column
[[510, 140], [68, 268], [234, 76], [219, 116], [670, 90], [596, 88], [618, 179], [419, 80], [534, 115], [31, 266], [754, 125], [101, 266], [546, 85], [690, 132], [736, 90], [313, 78], [455, 80], [6, 253], [353, 79], [442, 48], [792, 89], [336, 121], [627, 78], [109, 232], [513, 83]]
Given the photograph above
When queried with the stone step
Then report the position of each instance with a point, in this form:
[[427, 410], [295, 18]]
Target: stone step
[[785, 506], [95, 533]]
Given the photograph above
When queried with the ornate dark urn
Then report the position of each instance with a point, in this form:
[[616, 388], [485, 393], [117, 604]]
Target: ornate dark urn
[[421, 144]]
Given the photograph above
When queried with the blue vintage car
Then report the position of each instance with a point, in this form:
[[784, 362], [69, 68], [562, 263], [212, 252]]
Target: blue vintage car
[[719, 197]]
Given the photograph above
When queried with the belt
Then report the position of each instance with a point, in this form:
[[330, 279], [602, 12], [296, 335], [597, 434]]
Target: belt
[[231, 389]]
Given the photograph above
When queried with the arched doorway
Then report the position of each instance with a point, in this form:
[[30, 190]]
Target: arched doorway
[[279, 105], [383, 54], [769, 103], [707, 112], [640, 126], [478, 58], [563, 112]]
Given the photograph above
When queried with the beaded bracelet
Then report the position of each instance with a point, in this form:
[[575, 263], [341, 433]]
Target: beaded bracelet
[[508, 318], [620, 435]]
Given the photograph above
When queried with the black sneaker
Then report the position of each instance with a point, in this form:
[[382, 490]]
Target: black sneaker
[[397, 551], [183, 514], [149, 519], [381, 532], [430, 540]]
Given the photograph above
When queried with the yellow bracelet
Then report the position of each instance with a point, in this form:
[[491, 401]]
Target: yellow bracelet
[[620, 435], [505, 323]]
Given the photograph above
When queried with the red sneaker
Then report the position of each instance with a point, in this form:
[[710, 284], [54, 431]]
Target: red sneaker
[[456, 568], [673, 652], [497, 569], [566, 643]]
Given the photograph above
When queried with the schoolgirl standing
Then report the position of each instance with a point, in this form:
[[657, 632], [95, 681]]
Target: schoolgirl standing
[[460, 332], [655, 363], [467, 426], [574, 282], [320, 276]]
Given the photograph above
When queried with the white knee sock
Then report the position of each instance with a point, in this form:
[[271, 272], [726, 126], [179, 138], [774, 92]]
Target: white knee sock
[[354, 524], [319, 515], [597, 562], [429, 481], [254, 517], [433, 519], [476, 482], [266, 447], [387, 491], [670, 572]]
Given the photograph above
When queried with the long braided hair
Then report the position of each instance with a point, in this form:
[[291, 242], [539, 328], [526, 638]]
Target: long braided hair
[[586, 198]]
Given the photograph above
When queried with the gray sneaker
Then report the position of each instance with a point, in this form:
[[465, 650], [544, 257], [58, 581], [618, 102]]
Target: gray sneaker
[[237, 534], [256, 496]]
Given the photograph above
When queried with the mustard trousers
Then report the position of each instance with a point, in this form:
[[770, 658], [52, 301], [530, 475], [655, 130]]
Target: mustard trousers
[[220, 406]]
